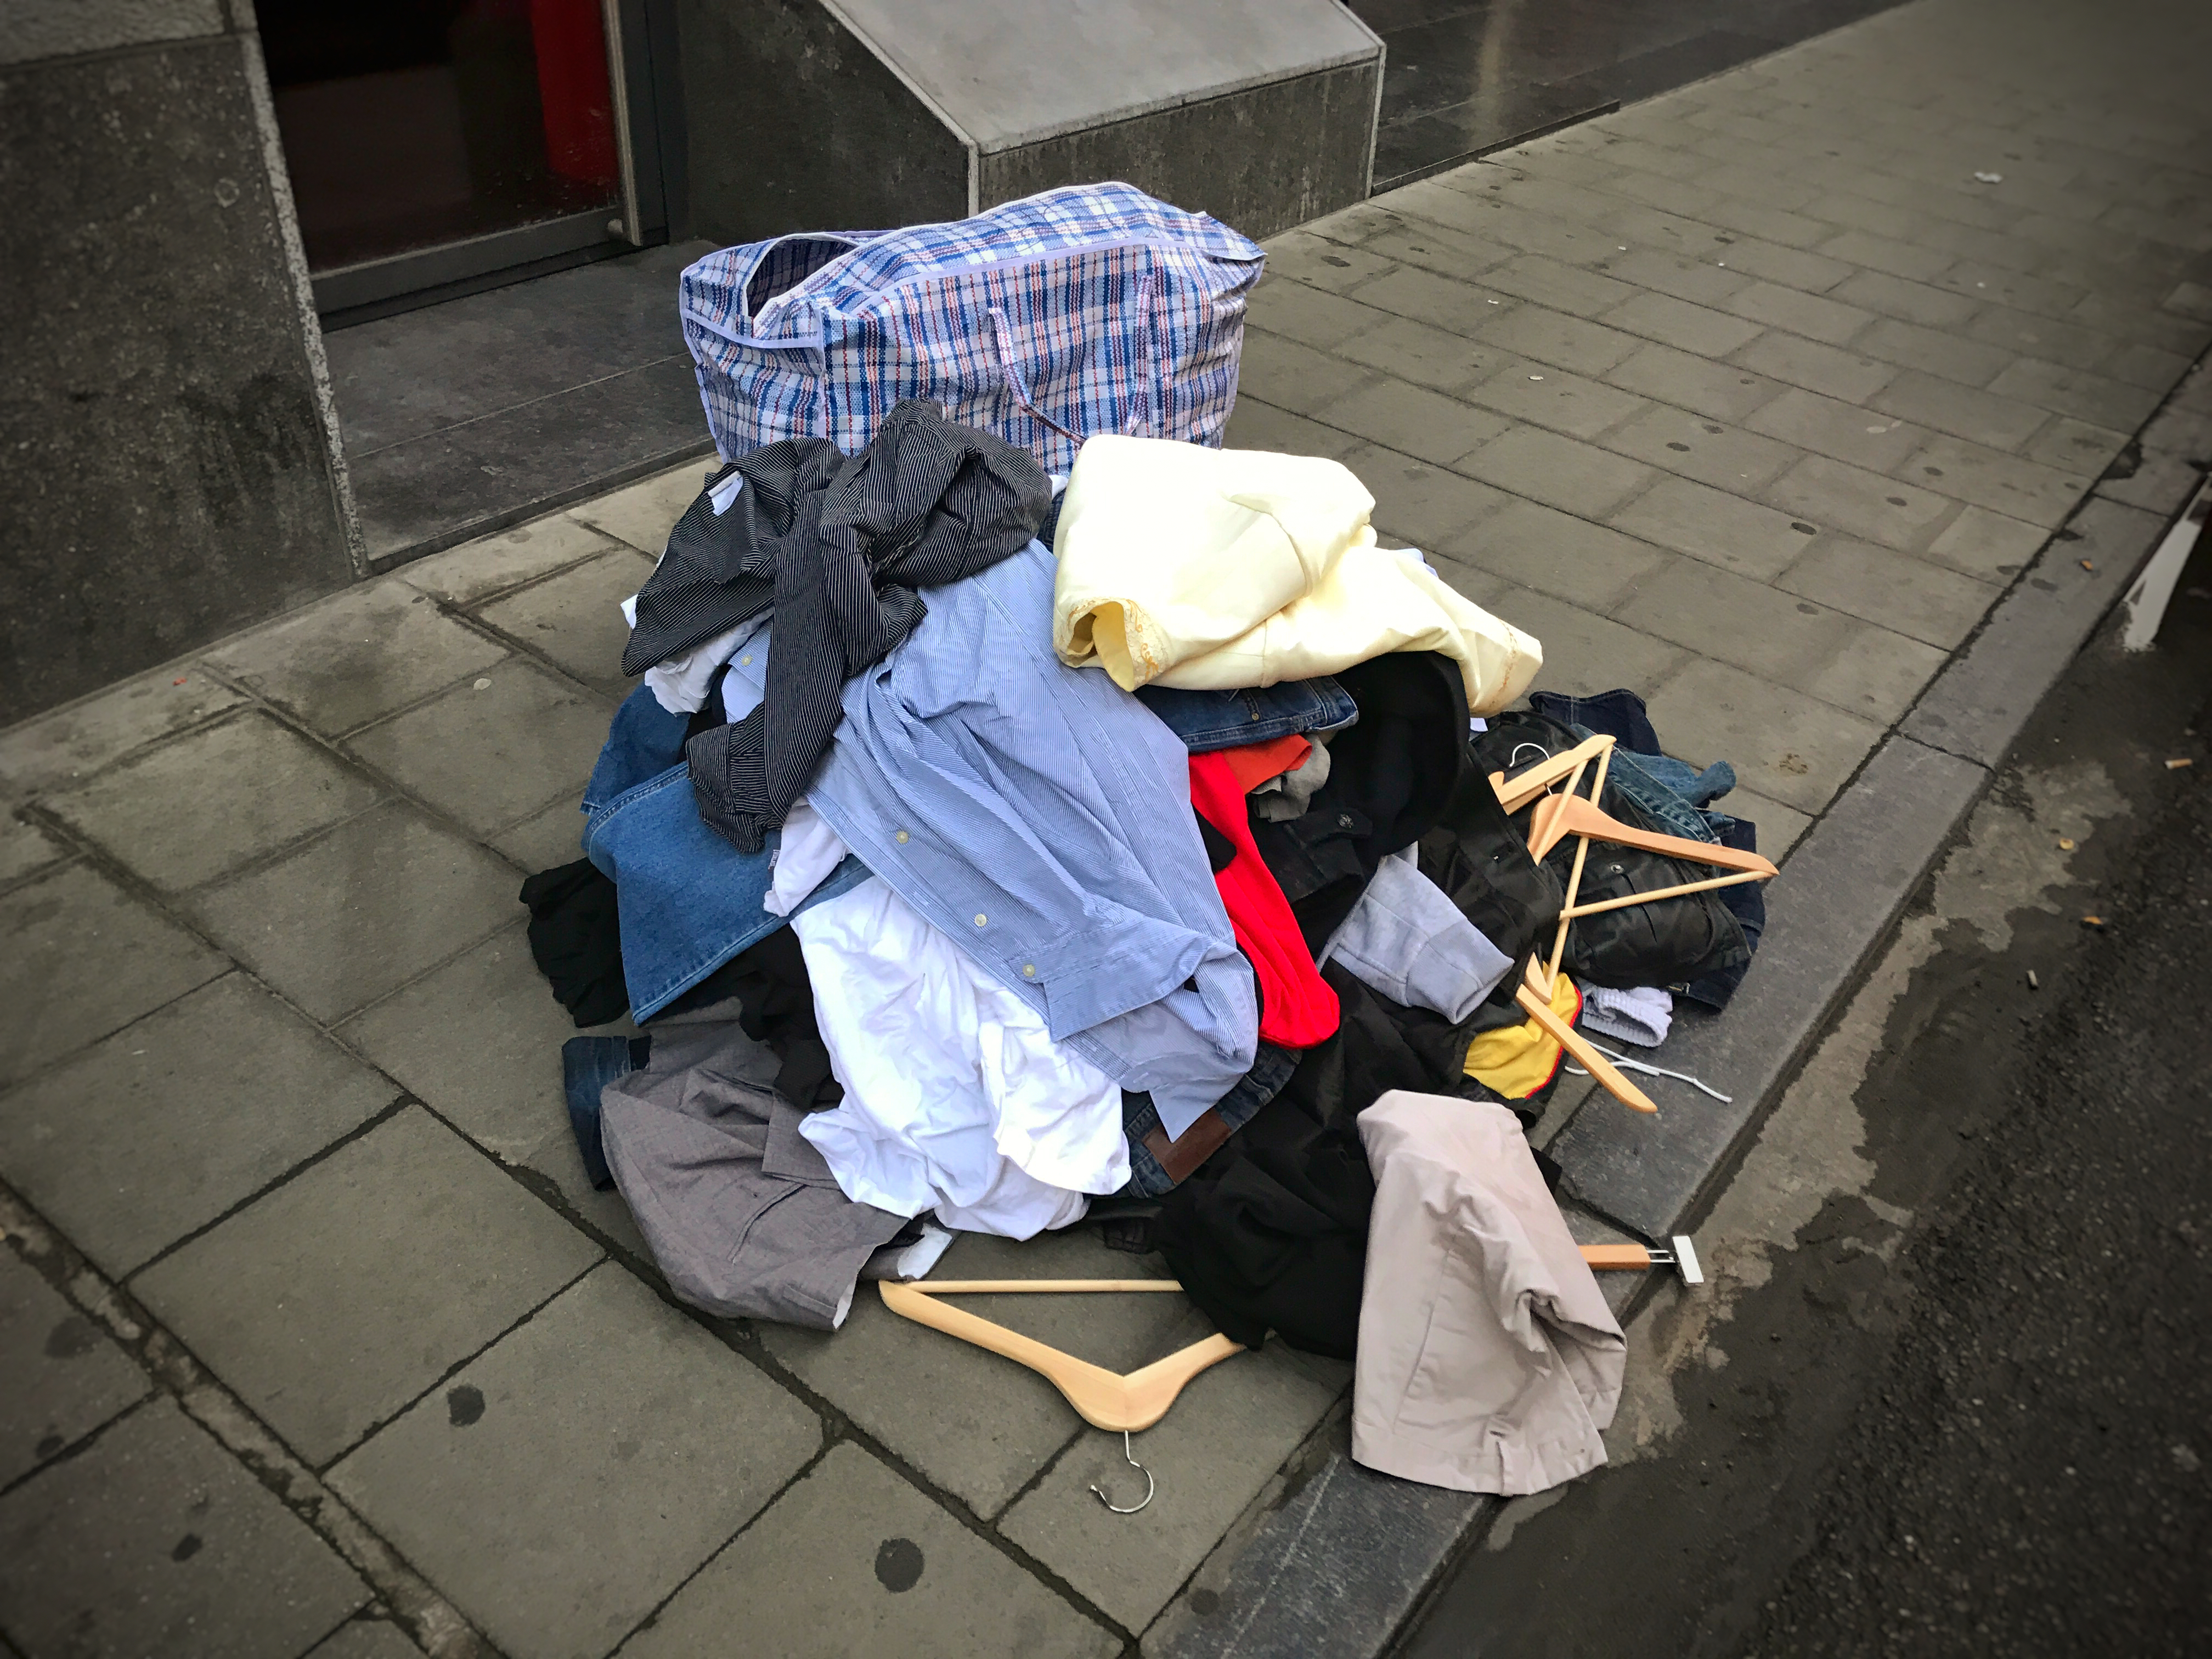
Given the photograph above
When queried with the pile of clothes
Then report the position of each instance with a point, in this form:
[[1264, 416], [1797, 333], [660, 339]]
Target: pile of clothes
[[986, 849]]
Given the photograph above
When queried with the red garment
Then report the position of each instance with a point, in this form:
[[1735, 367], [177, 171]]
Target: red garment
[[1297, 1008], [1254, 763]]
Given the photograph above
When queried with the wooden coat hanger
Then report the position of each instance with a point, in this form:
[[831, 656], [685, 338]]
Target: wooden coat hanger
[[1104, 1399], [1560, 815], [1517, 791]]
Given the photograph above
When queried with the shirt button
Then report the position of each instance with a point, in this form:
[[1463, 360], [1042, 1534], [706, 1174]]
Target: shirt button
[[1029, 970], [979, 918], [901, 835], [744, 662]]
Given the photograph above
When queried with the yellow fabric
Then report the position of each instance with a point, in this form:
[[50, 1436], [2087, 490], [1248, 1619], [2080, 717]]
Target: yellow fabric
[[1516, 1060], [1215, 569]]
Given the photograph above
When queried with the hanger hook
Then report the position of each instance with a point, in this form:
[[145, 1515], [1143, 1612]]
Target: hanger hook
[[1099, 1492]]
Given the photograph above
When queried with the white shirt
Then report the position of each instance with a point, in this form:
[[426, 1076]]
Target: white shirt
[[956, 1097]]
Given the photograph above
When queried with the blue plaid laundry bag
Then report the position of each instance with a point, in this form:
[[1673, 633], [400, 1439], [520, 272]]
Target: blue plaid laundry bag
[[1087, 309]]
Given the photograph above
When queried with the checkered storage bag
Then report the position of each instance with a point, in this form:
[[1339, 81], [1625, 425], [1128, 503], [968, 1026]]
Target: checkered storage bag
[[1092, 308]]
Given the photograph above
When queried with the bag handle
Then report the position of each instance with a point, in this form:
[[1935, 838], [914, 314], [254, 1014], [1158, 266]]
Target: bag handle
[[1144, 411], [1147, 289], [1015, 384]]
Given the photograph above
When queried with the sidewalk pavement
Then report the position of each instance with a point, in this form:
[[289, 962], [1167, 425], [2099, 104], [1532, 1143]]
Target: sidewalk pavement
[[1751, 398]]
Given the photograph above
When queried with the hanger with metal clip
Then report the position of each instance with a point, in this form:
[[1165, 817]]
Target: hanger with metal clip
[[1104, 1399]]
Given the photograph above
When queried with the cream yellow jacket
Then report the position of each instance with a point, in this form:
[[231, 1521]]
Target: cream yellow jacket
[[1212, 569]]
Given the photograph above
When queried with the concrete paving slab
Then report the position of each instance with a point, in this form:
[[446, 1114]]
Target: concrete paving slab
[[560, 1486], [1550, 336], [1228, 1432], [201, 806], [1979, 280], [343, 662], [491, 754], [1920, 600], [1256, 425], [2077, 392], [2026, 335], [156, 1541], [1783, 744], [2068, 444], [1988, 545], [1837, 495], [1556, 553], [60, 1375], [77, 741], [366, 1638], [1726, 456], [1426, 246], [1304, 257], [644, 512], [1842, 431], [851, 1559], [1584, 652], [479, 1040], [26, 849], [1780, 827], [979, 1426], [554, 1169], [2151, 367], [1978, 704], [1686, 327], [482, 569], [60, 992], [2181, 429], [1928, 304], [1424, 354], [552, 836], [1425, 424], [361, 911], [1562, 287], [332, 1302], [1426, 296], [575, 620], [2162, 482], [1543, 466], [2017, 488], [1963, 412], [1698, 280], [1812, 315], [1722, 391], [1311, 315], [1899, 258], [1717, 527], [1553, 397], [1831, 370], [1294, 377], [1847, 663], [153, 1132], [1417, 503]]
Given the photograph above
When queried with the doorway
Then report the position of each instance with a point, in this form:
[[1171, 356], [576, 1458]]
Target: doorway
[[440, 146]]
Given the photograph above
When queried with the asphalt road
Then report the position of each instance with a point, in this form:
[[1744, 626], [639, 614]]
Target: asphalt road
[[1961, 1402]]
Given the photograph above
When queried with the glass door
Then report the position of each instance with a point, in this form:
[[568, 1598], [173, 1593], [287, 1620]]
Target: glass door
[[433, 141]]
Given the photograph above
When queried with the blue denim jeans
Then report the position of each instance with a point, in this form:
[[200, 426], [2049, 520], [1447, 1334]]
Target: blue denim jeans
[[688, 900], [1208, 721], [589, 1064], [1271, 1069]]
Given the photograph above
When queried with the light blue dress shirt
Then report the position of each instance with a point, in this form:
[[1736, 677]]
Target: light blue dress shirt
[[1041, 815]]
